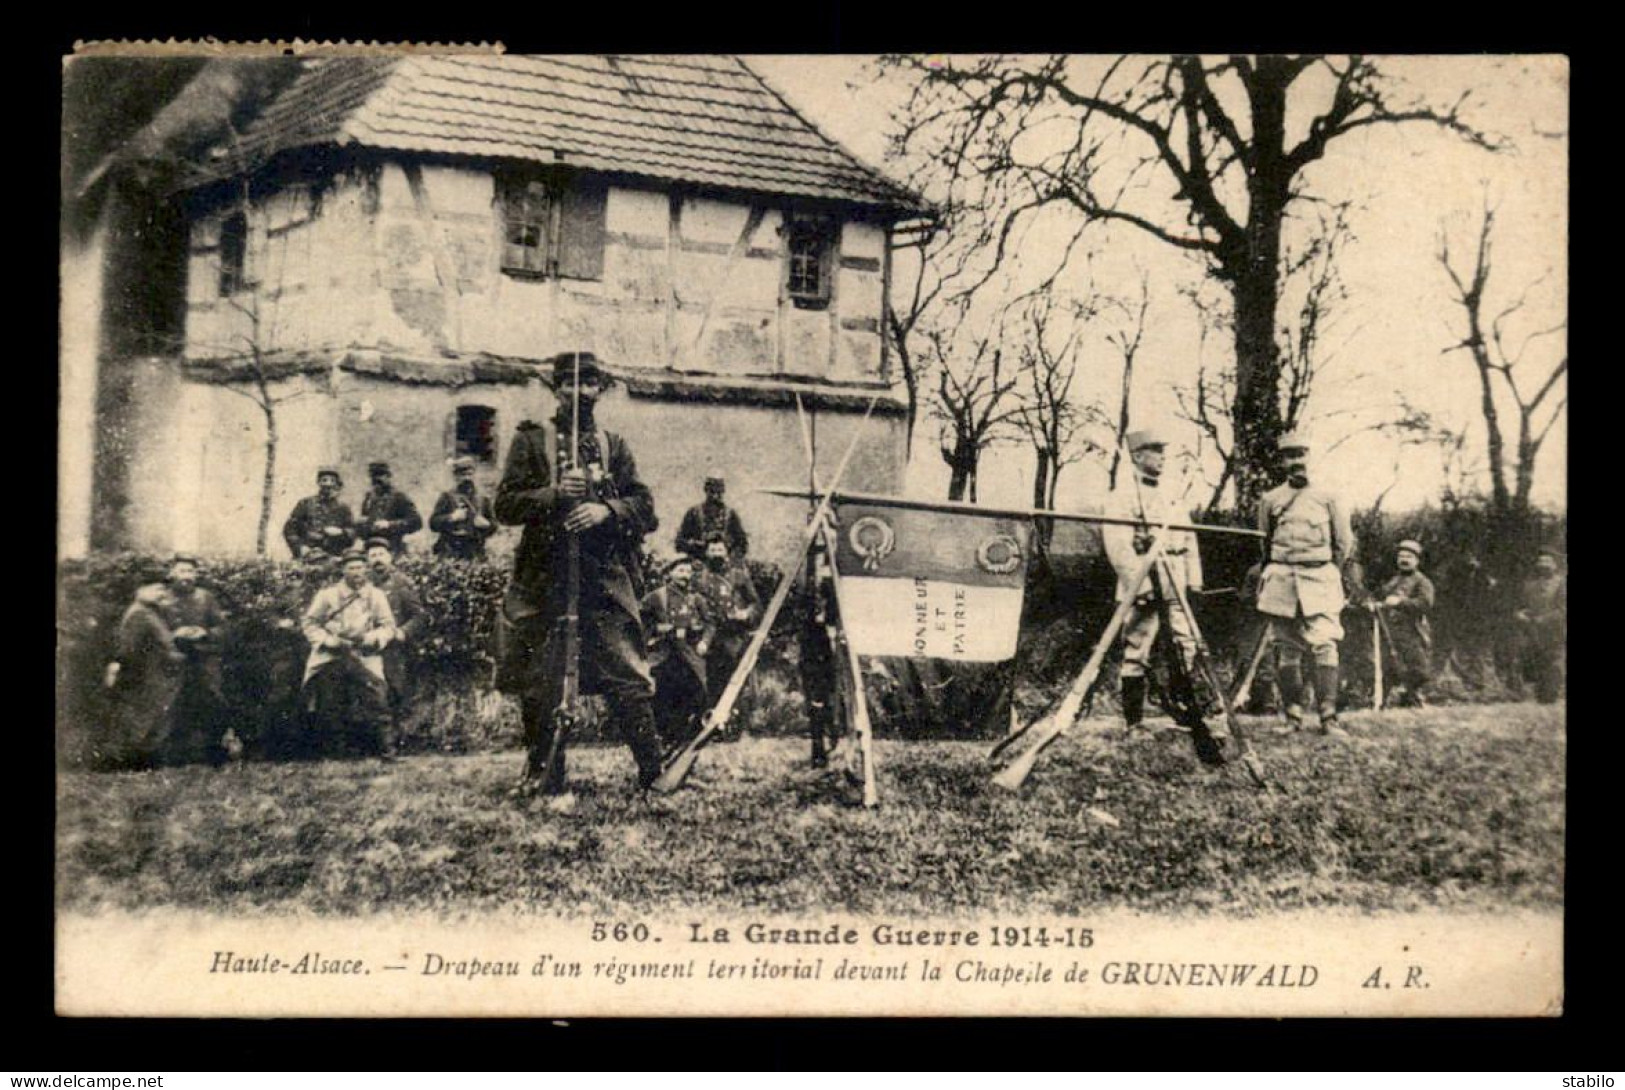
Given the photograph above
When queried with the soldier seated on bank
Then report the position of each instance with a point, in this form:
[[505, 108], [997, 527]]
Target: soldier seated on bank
[[346, 697]]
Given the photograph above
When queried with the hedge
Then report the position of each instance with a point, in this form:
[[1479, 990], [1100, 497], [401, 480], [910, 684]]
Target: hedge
[[1477, 562]]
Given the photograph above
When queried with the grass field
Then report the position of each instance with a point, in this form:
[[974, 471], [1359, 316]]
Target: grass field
[[1454, 807]]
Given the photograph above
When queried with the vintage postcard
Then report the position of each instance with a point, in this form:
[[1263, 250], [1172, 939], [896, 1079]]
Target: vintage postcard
[[811, 535]]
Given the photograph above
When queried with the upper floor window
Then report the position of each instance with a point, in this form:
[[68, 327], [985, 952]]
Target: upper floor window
[[552, 224], [233, 254], [812, 260]]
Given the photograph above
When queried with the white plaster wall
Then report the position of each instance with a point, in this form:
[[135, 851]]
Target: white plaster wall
[[80, 333]]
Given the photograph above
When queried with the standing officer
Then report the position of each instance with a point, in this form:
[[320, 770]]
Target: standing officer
[[407, 606], [674, 617], [195, 620], [1306, 542], [1542, 620], [712, 518], [348, 624], [1139, 496], [387, 513], [608, 509], [321, 525], [1405, 603], [462, 517]]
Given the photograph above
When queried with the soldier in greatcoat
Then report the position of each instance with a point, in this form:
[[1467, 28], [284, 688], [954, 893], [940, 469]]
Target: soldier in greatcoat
[[143, 679], [1405, 603], [386, 511], [1542, 625], [1141, 496], [196, 622], [322, 525], [1307, 540], [600, 501]]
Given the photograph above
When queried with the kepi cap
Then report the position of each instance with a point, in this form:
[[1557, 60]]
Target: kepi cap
[[378, 469], [1293, 440], [566, 363], [1410, 545], [329, 471], [1146, 437], [378, 543], [462, 462]]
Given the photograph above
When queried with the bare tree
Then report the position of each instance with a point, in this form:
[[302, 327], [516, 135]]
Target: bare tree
[[1190, 151], [1047, 415], [1310, 276], [1126, 339], [974, 402], [935, 262], [1537, 391], [249, 353]]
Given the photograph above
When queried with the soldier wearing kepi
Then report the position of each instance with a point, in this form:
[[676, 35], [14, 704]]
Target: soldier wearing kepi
[[674, 617], [462, 517], [711, 519], [407, 606], [1306, 542], [386, 512], [321, 525], [348, 625], [1140, 496], [196, 620], [1405, 603], [600, 501], [734, 607]]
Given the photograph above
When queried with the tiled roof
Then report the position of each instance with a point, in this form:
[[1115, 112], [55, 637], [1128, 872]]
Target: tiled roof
[[708, 120]]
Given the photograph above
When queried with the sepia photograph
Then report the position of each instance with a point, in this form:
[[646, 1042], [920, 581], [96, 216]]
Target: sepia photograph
[[908, 534]]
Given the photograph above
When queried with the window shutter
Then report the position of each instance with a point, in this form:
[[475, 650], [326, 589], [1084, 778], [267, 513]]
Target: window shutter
[[581, 231]]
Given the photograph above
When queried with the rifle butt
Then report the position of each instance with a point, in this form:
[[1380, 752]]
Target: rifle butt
[[1014, 774], [672, 776]]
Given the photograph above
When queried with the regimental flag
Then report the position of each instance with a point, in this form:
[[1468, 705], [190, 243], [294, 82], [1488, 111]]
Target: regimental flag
[[930, 584]]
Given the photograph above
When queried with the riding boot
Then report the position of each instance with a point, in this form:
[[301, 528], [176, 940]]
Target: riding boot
[[1133, 698], [636, 718], [1209, 749], [1326, 694]]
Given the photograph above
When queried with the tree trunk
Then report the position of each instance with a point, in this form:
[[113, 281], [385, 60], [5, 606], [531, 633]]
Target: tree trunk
[[1253, 272], [1041, 477], [1495, 443], [1526, 465], [962, 469], [268, 487]]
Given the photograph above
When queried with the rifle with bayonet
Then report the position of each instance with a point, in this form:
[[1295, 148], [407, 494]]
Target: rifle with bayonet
[[567, 716], [682, 762]]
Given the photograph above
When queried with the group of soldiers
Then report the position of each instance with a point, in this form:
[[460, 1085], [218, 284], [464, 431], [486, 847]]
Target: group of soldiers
[[659, 658], [1298, 592], [323, 527]]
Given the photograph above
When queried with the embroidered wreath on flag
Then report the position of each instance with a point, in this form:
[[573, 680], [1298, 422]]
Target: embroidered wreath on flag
[[873, 539], [999, 554]]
